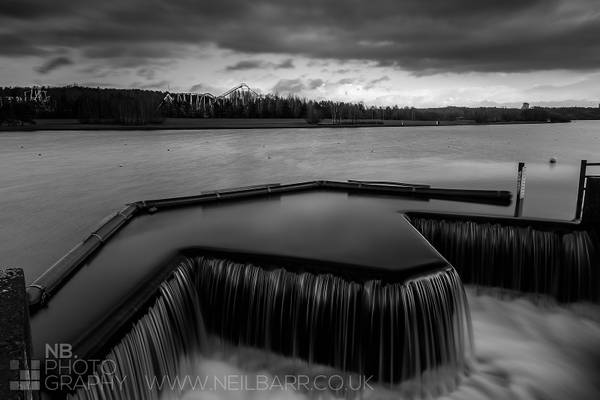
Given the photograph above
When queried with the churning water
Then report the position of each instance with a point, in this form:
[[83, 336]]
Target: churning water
[[418, 330], [525, 347]]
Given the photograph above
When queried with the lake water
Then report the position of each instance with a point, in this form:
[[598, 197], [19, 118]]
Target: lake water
[[56, 186]]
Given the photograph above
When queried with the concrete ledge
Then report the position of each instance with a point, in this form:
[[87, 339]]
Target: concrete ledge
[[18, 380]]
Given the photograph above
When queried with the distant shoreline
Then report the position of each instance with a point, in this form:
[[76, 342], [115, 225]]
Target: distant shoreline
[[237, 123]]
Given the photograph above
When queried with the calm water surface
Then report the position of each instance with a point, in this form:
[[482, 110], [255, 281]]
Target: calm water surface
[[55, 186]]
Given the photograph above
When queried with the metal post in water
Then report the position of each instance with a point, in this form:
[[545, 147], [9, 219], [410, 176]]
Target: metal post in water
[[580, 189], [520, 190]]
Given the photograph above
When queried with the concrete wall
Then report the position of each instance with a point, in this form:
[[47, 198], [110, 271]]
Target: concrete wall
[[591, 204], [18, 380]]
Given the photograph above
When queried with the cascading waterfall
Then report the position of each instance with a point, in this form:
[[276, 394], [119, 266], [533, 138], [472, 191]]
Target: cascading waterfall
[[392, 331], [172, 327], [562, 264]]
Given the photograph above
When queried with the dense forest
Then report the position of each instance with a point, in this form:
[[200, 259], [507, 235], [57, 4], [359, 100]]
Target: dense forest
[[138, 107]]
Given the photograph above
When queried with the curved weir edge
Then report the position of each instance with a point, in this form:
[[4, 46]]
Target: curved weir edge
[[197, 293], [546, 257], [44, 286], [93, 342]]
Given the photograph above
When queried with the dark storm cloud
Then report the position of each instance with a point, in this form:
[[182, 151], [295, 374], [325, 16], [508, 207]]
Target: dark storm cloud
[[12, 44], [289, 86], [245, 65], [315, 83], [378, 80], [372, 83], [285, 64], [53, 64], [146, 73], [421, 36], [257, 64], [295, 86], [19, 9]]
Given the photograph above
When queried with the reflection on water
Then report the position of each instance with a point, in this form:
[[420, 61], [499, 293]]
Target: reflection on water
[[65, 182], [525, 349]]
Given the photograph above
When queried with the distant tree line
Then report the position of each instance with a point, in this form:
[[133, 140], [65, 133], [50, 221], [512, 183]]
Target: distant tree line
[[88, 105], [138, 107], [16, 113]]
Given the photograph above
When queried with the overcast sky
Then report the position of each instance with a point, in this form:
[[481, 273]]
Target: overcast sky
[[383, 52]]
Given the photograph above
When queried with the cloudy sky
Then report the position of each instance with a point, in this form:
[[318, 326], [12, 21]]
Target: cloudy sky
[[382, 52]]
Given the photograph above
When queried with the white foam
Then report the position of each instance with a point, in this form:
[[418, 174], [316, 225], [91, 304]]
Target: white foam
[[524, 349], [528, 349]]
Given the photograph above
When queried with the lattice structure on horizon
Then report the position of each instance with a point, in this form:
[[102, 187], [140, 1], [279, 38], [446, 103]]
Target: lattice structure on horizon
[[204, 103], [35, 96]]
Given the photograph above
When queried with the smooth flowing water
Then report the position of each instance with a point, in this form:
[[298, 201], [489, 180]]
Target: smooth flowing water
[[561, 264], [417, 330]]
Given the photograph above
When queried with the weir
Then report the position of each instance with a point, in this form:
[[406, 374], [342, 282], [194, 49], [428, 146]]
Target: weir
[[392, 331], [553, 258], [329, 273]]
